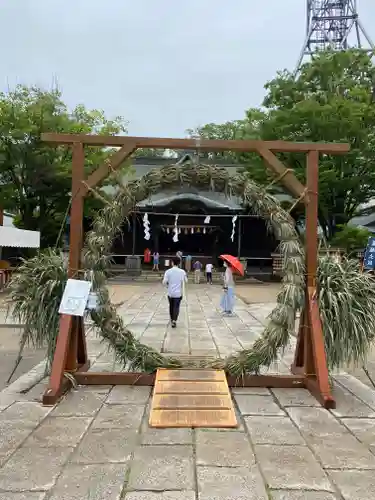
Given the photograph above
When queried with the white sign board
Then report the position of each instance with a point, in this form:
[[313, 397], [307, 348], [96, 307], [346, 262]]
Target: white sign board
[[75, 297]]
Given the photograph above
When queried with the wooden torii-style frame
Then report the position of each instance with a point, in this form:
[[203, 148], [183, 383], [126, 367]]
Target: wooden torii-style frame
[[309, 369]]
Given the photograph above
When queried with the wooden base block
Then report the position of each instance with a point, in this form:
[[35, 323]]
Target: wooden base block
[[193, 418], [191, 398]]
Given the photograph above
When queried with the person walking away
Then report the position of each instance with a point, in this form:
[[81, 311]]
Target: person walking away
[[155, 257], [209, 273], [174, 278], [197, 272], [227, 300], [188, 263]]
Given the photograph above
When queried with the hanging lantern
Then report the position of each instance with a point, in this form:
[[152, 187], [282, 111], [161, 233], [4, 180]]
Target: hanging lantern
[[167, 230], [207, 219], [186, 230], [198, 230], [192, 230], [204, 230]]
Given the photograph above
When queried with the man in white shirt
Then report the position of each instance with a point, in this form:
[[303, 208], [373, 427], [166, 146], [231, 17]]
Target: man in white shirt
[[209, 273], [174, 278]]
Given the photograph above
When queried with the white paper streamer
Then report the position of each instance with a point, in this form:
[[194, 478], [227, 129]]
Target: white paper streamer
[[175, 230], [146, 225], [207, 219], [233, 227]]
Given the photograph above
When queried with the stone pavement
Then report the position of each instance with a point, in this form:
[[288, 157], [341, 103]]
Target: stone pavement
[[9, 347], [96, 444]]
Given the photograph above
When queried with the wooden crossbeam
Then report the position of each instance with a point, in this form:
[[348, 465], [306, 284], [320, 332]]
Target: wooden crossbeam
[[204, 144]]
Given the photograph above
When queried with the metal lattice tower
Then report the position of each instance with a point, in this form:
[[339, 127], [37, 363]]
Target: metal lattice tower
[[329, 24]]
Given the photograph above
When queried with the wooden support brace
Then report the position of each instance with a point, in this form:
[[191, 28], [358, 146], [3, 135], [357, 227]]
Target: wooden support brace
[[287, 177], [112, 163]]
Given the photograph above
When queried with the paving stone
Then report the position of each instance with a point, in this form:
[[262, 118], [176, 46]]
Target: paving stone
[[6, 400], [101, 446], [223, 449], [27, 495], [295, 397], [354, 484], [257, 405], [331, 442], [165, 495], [260, 391], [362, 391], [100, 389], [363, 429], [59, 431], [79, 403], [273, 430], [33, 468], [12, 434], [126, 394], [162, 468], [119, 416], [348, 405], [302, 495], [291, 467], [230, 483], [94, 482], [28, 412], [344, 452], [316, 422], [165, 436]]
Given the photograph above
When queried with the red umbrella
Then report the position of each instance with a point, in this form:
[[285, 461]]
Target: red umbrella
[[234, 262]]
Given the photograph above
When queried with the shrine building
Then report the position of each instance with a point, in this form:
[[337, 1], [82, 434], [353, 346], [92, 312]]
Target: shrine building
[[205, 224]]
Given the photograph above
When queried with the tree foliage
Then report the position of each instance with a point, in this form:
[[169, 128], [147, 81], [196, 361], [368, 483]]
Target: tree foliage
[[35, 178], [351, 238], [330, 100]]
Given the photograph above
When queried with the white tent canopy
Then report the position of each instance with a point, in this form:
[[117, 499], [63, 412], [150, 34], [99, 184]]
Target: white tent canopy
[[19, 238]]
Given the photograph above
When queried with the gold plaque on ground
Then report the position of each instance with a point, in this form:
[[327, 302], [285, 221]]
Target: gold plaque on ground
[[191, 398]]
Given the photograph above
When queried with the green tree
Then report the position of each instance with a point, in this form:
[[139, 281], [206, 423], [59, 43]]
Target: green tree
[[330, 100], [35, 178], [351, 238]]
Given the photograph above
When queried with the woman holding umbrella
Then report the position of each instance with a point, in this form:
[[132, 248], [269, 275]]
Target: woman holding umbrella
[[232, 264]]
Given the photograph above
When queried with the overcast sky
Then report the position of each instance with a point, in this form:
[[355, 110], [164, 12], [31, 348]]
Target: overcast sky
[[165, 65]]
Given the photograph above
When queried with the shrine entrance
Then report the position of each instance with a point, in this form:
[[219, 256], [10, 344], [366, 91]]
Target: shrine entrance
[[309, 369], [205, 225]]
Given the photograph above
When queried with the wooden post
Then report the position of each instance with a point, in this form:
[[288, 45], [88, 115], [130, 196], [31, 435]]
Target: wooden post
[[77, 346], [312, 175], [310, 357], [76, 211], [1, 217], [303, 351]]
